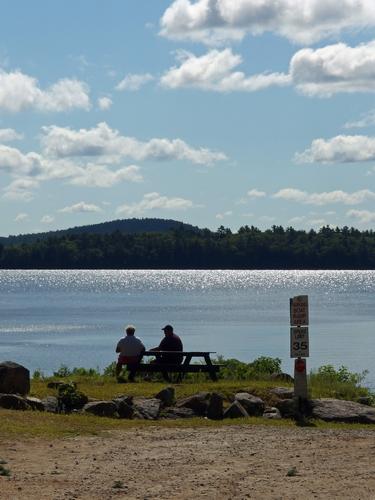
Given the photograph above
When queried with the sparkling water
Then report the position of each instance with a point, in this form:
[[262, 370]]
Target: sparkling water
[[49, 318]]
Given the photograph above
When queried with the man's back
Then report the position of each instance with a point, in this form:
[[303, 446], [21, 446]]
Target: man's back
[[130, 346], [172, 343]]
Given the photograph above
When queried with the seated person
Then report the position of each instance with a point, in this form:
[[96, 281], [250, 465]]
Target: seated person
[[170, 342], [131, 350]]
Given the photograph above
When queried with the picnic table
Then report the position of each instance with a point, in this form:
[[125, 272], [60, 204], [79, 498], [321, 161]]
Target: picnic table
[[187, 366]]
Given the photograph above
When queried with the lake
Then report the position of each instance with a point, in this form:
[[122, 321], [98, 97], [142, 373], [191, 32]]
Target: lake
[[49, 318]]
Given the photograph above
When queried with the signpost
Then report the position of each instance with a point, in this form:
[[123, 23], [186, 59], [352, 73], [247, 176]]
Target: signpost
[[299, 342]]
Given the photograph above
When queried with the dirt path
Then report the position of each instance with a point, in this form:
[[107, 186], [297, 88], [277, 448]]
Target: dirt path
[[222, 463]]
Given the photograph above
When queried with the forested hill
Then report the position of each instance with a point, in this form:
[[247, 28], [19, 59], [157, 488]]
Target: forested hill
[[122, 225], [249, 248]]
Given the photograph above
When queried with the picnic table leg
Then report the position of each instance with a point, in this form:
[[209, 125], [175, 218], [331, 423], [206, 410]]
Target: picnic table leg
[[209, 364]]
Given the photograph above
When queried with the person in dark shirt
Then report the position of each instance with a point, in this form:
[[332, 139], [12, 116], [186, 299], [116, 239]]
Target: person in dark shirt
[[170, 342]]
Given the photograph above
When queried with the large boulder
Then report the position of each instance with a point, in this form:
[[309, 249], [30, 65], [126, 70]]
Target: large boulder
[[235, 410], [253, 405], [13, 402], [166, 396], [147, 409], [51, 404], [289, 408], [198, 403], [215, 406], [283, 392], [176, 413], [101, 408], [285, 377], [338, 410], [14, 378], [35, 403], [124, 406]]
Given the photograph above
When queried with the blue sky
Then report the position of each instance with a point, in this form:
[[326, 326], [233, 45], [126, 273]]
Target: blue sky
[[212, 112]]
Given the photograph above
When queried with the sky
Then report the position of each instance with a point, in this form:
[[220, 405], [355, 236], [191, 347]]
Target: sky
[[212, 112]]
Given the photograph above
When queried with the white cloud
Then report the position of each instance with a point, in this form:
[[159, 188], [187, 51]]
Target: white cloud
[[325, 198], [154, 201], [302, 21], [333, 69], [255, 193], [80, 207], [47, 219], [221, 216], [101, 176], [13, 161], [21, 217], [21, 189], [19, 91], [104, 141], [366, 120], [8, 135], [215, 71], [134, 82], [339, 149], [297, 220], [104, 103], [363, 216]]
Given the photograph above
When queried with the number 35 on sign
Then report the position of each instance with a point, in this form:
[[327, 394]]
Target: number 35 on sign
[[299, 342]]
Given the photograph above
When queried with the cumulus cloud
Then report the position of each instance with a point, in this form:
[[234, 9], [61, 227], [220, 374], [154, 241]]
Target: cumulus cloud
[[19, 91], [339, 149], [134, 82], [80, 207], [104, 103], [154, 201], [363, 216], [8, 135], [301, 21], [102, 141], [47, 219], [223, 215], [21, 189], [13, 161], [255, 193], [101, 176], [21, 217], [325, 198], [216, 71], [333, 69]]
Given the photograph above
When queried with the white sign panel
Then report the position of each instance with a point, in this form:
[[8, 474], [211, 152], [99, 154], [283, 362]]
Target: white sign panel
[[299, 342], [299, 310]]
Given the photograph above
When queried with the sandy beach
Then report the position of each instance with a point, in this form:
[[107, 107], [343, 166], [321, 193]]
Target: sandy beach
[[234, 462]]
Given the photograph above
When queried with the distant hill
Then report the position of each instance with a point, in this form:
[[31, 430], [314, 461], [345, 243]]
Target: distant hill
[[130, 226]]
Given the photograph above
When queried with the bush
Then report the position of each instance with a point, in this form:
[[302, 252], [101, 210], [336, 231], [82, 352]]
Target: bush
[[63, 372], [70, 398], [233, 369]]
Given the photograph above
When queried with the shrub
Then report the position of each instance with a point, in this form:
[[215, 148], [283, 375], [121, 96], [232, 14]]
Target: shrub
[[70, 398], [63, 372]]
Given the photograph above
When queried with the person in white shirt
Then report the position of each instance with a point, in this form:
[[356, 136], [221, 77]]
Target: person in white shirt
[[130, 349]]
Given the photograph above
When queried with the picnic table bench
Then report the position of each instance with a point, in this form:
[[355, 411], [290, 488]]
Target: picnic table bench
[[185, 367]]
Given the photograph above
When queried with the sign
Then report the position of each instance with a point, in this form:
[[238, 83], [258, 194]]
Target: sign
[[299, 342], [299, 311]]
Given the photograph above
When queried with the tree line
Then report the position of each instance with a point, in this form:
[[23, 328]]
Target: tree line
[[249, 248]]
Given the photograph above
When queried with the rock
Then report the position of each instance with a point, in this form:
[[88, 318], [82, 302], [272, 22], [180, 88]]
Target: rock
[[253, 405], [148, 409], [101, 408], [235, 410], [50, 404], [13, 402], [35, 403], [289, 408], [215, 406], [283, 392], [124, 406], [272, 413], [338, 410], [198, 403], [365, 400], [285, 377], [175, 413], [14, 378], [166, 396]]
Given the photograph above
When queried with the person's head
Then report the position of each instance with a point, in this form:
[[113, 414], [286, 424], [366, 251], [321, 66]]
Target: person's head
[[130, 330], [168, 330]]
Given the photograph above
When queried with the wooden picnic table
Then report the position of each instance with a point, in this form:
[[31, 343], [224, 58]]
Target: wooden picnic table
[[185, 367]]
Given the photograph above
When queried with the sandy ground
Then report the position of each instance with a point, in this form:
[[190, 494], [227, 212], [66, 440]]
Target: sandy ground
[[216, 463]]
